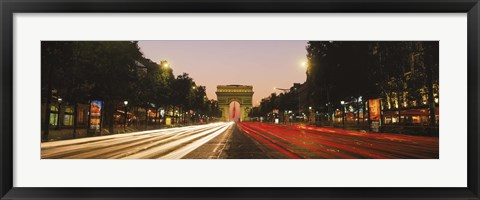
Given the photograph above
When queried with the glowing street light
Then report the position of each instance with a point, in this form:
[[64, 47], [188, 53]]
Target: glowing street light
[[304, 64], [164, 64], [343, 113], [58, 111]]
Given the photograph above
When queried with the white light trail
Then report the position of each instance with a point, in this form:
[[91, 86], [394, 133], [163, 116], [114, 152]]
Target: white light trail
[[171, 143]]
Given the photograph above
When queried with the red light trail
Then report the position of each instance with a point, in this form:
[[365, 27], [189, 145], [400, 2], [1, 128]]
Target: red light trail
[[299, 141]]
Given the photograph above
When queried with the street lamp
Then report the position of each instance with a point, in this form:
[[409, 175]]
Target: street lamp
[[359, 103], [310, 112], [327, 108], [125, 120], [343, 113], [304, 64], [164, 64], [58, 112], [176, 116]]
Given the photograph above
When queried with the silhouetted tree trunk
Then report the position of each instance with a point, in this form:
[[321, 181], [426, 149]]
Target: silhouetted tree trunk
[[109, 112], [431, 54], [399, 105], [75, 110], [137, 121], [358, 114], [47, 115], [156, 117], [146, 116], [48, 101]]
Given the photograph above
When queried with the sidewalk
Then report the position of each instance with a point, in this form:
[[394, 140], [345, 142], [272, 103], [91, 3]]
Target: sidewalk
[[67, 133]]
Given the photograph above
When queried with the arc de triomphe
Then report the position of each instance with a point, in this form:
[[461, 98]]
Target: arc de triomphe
[[242, 94]]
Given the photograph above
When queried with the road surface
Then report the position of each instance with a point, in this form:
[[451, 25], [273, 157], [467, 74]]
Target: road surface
[[299, 141], [244, 140]]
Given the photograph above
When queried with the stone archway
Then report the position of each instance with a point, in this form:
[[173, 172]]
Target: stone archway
[[242, 94]]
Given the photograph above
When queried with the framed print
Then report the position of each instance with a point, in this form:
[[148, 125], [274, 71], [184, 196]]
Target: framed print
[[245, 100]]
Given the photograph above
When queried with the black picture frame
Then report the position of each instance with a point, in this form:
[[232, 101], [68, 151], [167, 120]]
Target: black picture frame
[[10, 7]]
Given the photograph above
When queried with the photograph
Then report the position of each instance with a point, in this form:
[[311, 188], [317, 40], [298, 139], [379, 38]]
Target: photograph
[[239, 99], [274, 99]]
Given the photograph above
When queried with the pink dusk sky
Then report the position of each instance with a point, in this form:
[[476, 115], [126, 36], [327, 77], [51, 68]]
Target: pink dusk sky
[[262, 64]]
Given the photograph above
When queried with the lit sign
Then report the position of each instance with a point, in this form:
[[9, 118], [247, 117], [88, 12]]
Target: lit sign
[[95, 114], [374, 109]]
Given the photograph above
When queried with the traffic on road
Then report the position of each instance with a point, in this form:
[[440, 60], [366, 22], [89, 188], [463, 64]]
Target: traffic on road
[[245, 140]]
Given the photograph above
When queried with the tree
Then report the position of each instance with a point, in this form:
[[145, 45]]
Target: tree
[[431, 57], [407, 72], [212, 108], [395, 71], [55, 58], [337, 71], [183, 87], [112, 69], [200, 98], [90, 70]]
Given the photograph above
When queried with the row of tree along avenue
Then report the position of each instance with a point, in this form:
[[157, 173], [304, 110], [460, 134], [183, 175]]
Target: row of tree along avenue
[[107, 87], [346, 78]]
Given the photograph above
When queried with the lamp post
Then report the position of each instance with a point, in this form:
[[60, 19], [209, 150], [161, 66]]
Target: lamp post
[[343, 113], [125, 121], [310, 112], [359, 102], [185, 118], [192, 110], [176, 116], [58, 112], [327, 108]]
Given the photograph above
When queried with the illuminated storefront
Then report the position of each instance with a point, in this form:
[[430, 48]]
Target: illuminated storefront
[[53, 115], [68, 116], [410, 116]]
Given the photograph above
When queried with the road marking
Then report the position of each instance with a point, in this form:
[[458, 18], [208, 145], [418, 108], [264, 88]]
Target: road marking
[[229, 134]]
